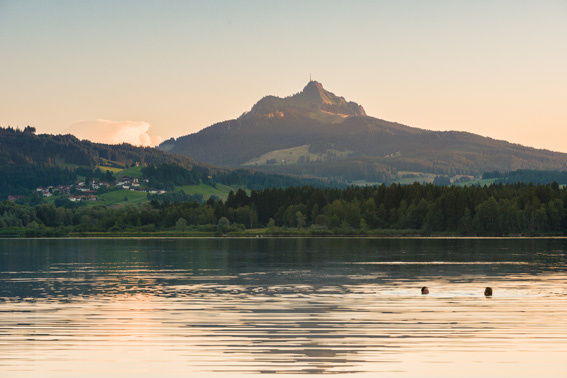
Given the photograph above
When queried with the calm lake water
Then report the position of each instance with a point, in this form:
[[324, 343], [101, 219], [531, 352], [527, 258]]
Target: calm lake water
[[242, 307]]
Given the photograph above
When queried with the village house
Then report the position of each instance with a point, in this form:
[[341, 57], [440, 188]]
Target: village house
[[88, 191], [63, 189], [90, 197], [44, 192]]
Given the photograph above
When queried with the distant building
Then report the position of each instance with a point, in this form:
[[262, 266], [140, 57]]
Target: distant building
[[90, 197]]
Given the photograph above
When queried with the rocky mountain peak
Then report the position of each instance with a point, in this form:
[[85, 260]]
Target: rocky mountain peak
[[329, 102], [313, 99]]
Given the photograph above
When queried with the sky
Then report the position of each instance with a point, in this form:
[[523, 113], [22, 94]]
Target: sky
[[145, 71]]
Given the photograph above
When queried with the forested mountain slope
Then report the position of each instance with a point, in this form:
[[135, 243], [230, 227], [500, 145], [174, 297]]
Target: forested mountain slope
[[29, 161], [318, 133]]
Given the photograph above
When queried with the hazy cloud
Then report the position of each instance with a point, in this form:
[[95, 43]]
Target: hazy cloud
[[115, 132]]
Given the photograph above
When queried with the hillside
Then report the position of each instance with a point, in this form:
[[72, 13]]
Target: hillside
[[24, 147], [339, 140], [29, 162]]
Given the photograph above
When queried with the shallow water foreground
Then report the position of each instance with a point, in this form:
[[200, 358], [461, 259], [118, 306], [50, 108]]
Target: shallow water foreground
[[242, 307]]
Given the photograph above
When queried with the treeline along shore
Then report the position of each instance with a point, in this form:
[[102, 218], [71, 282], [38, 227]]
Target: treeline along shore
[[417, 209]]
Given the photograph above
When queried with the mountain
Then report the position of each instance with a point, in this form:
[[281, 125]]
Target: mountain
[[317, 133], [312, 101]]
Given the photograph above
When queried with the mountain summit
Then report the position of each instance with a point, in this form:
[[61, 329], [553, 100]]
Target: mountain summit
[[317, 133], [312, 100]]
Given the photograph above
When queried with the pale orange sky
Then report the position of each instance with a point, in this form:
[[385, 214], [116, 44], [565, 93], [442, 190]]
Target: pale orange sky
[[494, 68]]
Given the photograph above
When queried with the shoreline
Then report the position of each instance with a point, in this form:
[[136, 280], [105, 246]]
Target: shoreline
[[392, 237]]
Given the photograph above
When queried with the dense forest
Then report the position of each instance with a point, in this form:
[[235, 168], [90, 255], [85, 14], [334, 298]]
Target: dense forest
[[495, 210], [24, 147], [168, 176], [272, 204], [28, 161]]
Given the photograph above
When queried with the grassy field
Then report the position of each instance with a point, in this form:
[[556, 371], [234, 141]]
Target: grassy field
[[477, 182], [117, 198], [121, 172], [207, 191], [412, 177], [365, 183], [131, 172], [292, 155], [107, 168], [417, 177]]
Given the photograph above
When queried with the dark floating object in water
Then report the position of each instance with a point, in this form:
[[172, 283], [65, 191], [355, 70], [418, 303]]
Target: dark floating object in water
[[425, 290], [488, 292]]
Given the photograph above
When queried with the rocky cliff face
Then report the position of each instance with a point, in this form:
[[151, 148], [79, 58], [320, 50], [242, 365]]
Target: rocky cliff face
[[329, 102], [313, 99]]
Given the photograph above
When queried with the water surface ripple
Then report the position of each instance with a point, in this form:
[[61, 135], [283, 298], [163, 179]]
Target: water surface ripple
[[173, 308]]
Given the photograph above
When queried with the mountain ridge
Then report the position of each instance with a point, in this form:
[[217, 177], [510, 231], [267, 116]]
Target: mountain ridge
[[380, 149]]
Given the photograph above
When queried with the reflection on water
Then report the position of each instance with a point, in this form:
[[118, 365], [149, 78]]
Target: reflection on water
[[173, 308]]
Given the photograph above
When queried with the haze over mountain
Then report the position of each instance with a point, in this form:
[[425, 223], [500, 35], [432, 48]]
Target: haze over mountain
[[318, 133]]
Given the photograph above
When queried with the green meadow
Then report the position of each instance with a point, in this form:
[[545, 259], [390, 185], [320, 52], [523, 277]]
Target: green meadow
[[105, 168], [118, 197], [131, 172]]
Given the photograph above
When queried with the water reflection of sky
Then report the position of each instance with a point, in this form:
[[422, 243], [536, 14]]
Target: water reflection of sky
[[155, 310]]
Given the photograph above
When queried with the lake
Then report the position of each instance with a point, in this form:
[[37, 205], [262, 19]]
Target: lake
[[242, 307]]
